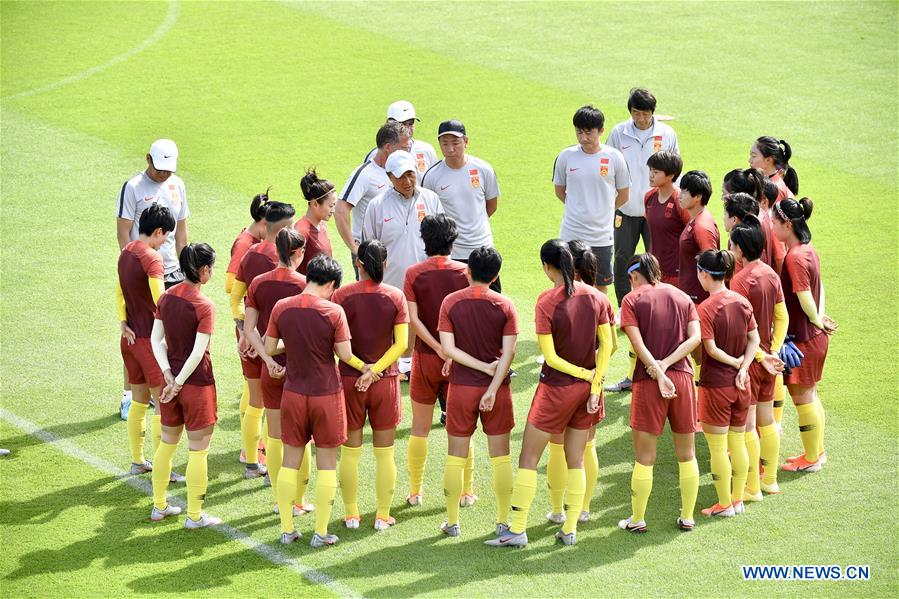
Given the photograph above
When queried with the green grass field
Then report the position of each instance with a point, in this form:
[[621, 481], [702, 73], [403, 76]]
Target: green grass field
[[253, 93]]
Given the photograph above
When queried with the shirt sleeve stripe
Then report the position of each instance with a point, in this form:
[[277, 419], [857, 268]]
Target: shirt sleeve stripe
[[122, 198], [349, 187]]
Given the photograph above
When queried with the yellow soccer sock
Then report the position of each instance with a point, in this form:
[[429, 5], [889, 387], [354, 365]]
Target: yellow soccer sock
[[574, 496], [522, 495], [274, 456], [417, 454], [739, 461], [156, 431], [468, 473], [250, 429], [325, 490], [697, 368], [137, 428], [197, 481], [632, 365], [823, 420], [721, 468], [641, 487], [753, 448], [303, 475], [769, 452], [264, 438], [591, 471], [557, 476], [809, 429], [162, 469], [502, 486], [349, 480], [244, 398], [452, 487], [385, 480], [287, 490], [780, 394], [689, 487]]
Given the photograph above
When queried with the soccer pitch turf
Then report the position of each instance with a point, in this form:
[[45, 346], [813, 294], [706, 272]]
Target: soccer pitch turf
[[255, 92]]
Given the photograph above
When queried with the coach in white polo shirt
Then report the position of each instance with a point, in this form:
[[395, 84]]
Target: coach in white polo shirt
[[591, 179], [637, 139], [395, 216], [425, 157], [467, 188]]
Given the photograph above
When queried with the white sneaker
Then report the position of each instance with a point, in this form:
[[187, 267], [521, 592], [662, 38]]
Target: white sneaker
[[584, 517], [204, 521], [322, 541], [451, 531], [290, 537], [415, 499], [772, 489], [351, 522], [567, 538], [630, 526], [382, 524], [685, 525], [141, 468], [125, 407], [170, 510], [556, 518]]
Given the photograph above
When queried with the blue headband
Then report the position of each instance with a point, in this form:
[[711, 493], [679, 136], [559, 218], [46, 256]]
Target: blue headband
[[714, 273], [633, 267]]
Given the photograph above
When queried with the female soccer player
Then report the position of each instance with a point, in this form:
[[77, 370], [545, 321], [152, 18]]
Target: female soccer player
[[772, 157], [571, 317], [262, 295], [811, 330], [183, 325], [730, 339], [478, 329], [700, 234], [663, 327], [378, 317], [759, 284], [751, 181], [321, 199], [665, 217]]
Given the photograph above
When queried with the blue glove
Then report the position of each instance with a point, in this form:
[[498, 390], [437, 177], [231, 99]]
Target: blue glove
[[791, 355]]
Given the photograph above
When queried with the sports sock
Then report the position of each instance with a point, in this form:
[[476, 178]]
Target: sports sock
[[697, 369], [809, 429], [162, 469], [632, 366], [468, 473], [823, 420], [197, 481], [689, 487], [417, 454], [557, 476], [274, 456], [574, 496], [244, 398], [385, 480], [753, 448], [156, 431], [591, 471], [452, 487], [502, 486], [349, 480], [522, 495], [287, 490], [739, 461], [263, 439], [641, 487], [780, 394], [137, 428], [250, 430], [325, 490], [721, 467], [304, 474], [769, 452]]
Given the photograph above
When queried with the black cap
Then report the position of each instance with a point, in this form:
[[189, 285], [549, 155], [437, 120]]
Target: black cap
[[451, 127]]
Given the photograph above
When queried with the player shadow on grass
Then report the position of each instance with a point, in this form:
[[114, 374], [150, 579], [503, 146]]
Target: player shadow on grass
[[66, 430]]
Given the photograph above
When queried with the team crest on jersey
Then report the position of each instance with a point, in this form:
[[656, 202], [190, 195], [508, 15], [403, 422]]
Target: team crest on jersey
[[475, 178], [603, 167], [669, 209], [421, 162], [176, 197], [656, 143], [420, 207]]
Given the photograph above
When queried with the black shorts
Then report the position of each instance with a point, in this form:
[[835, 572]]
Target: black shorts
[[603, 265]]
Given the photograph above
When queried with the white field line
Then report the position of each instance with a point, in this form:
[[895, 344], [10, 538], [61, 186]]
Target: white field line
[[171, 18], [146, 487]]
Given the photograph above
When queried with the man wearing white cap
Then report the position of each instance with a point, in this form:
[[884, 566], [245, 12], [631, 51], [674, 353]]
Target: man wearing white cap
[[425, 157]]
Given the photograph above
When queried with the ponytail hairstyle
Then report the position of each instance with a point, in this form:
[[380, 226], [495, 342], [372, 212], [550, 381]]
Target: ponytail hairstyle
[[749, 237], [718, 264], [738, 205], [372, 254], [647, 265], [798, 213], [779, 151], [276, 212], [555, 253], [259, 205], [697, 184], [585, 264], [750, 181], [288, 241], [193, 257], [313, 188]]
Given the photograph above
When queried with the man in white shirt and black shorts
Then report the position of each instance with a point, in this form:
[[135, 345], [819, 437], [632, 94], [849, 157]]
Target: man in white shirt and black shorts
[[425, 157]]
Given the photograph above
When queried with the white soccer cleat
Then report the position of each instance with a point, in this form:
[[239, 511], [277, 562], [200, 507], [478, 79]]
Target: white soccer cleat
[[567, 538], [772, 489], [451, 530], [170, 510], [415, 499], [467, 499], [556, 518], [323, 541], [352, 522], [584, 517], [290, 537], [630, 526], [204, 521], [141, 468], [384, 524]]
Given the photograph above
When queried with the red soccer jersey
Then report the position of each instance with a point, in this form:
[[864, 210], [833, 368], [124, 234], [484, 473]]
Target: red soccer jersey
[[801, 272], [775, 250], [759, 284], [572, 321], [783, 191], [259, 259], [138, 263], [372, 310], [666, 223], [317, 241], [661, 312], [478, 318], [427, 284], [268, 289], [699, 235], [184, 312], [239, 248], [725, 317], [309, 326]]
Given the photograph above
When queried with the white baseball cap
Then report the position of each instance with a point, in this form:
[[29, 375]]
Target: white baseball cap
[[399, 163], [164, 154], [401, 111]]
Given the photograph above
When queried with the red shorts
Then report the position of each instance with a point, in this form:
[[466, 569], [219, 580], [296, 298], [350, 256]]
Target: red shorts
[[649, 409], [670, 279], [303, 416], [809, 372], [556, 408], [761, 384], [142, 367], [723, 406], [271, 390], [195, 407], [252, 367], [462, 411], [426, 381], [381, 402]]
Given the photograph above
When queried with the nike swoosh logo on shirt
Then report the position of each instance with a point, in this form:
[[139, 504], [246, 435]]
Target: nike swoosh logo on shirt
[[381, 185], [444, 187], [387, 220], [571, 170]]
